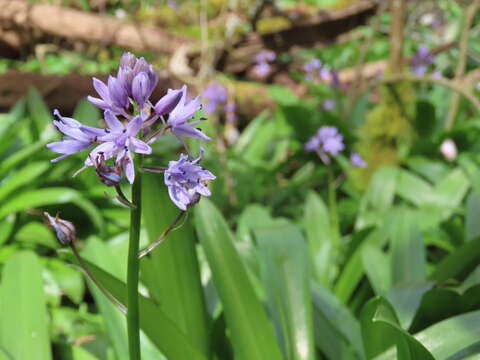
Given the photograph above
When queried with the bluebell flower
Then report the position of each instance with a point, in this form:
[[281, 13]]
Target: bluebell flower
[[312, 67], [182, 113], [77, 140], [186, 181], [327, 141], [113, 96], [262, 69], [120, 140], [214, 94], [329, 104], [265, 56], [421, 60], [357, 160]]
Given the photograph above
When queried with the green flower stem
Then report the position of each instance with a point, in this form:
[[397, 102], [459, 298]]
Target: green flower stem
[[133, 318], [332, 205]]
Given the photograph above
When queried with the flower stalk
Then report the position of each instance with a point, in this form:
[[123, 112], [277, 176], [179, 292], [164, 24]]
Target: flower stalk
[[133, 316]]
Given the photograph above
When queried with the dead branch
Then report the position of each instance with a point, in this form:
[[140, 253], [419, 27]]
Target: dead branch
[[78, 25]]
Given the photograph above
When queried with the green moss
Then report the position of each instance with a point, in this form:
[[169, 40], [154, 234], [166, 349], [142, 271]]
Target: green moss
[[387, 131]]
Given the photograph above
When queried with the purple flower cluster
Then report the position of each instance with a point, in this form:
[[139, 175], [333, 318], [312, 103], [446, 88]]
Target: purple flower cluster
[[328, 142], [132, 124], [421, 60], [262, 59]]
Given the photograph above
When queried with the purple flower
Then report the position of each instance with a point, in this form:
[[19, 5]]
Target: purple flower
[[261, 69], [184, 111], [357, 160], [79, 137], [186, 181], [136, 79], [329, 104], [64, 229], [214, 94], [120, 140], [312, 65], [421, 60], [326, 141], [130, 67], [113, 96], [265, 56]]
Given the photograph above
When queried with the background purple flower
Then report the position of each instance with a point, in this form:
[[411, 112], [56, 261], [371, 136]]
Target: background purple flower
[[262, 69], [265, 56], [329, 104], [326, 141], [421, 60], [357, 160], [214, 95]]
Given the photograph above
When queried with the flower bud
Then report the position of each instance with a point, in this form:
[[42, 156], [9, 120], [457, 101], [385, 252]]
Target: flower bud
[[64, 229], [449, 149], [168, 102]]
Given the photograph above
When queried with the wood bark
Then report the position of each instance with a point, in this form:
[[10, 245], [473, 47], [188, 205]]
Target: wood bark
[[79, 25]]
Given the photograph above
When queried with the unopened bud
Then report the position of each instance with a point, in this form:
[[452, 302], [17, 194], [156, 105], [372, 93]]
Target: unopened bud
[[449, 149], [64, 229]]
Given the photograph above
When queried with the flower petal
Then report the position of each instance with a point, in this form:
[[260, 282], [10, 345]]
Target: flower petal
[[133, 126], [139, 146], [112, 122], [188, 131], [101, 89]]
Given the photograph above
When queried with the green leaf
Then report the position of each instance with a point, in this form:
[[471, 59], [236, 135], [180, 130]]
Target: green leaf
[[448, 337], [50, 196], [377, 265], [21, 155], [337, 332], [37, 233], [407, 247], [472, 219], [321, 241], [252, 333], [449, 193], [406, 299], [460, 263], [378, 198], [38, 111], [380, 331], [87, 113], [68, 279], [353, 270], [413, 188], [424, 118], [25, 175], [164, 333], [24, 331], [171, 271], [285, 274]]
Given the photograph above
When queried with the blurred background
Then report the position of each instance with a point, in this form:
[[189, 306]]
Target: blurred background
[[349, 252]]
